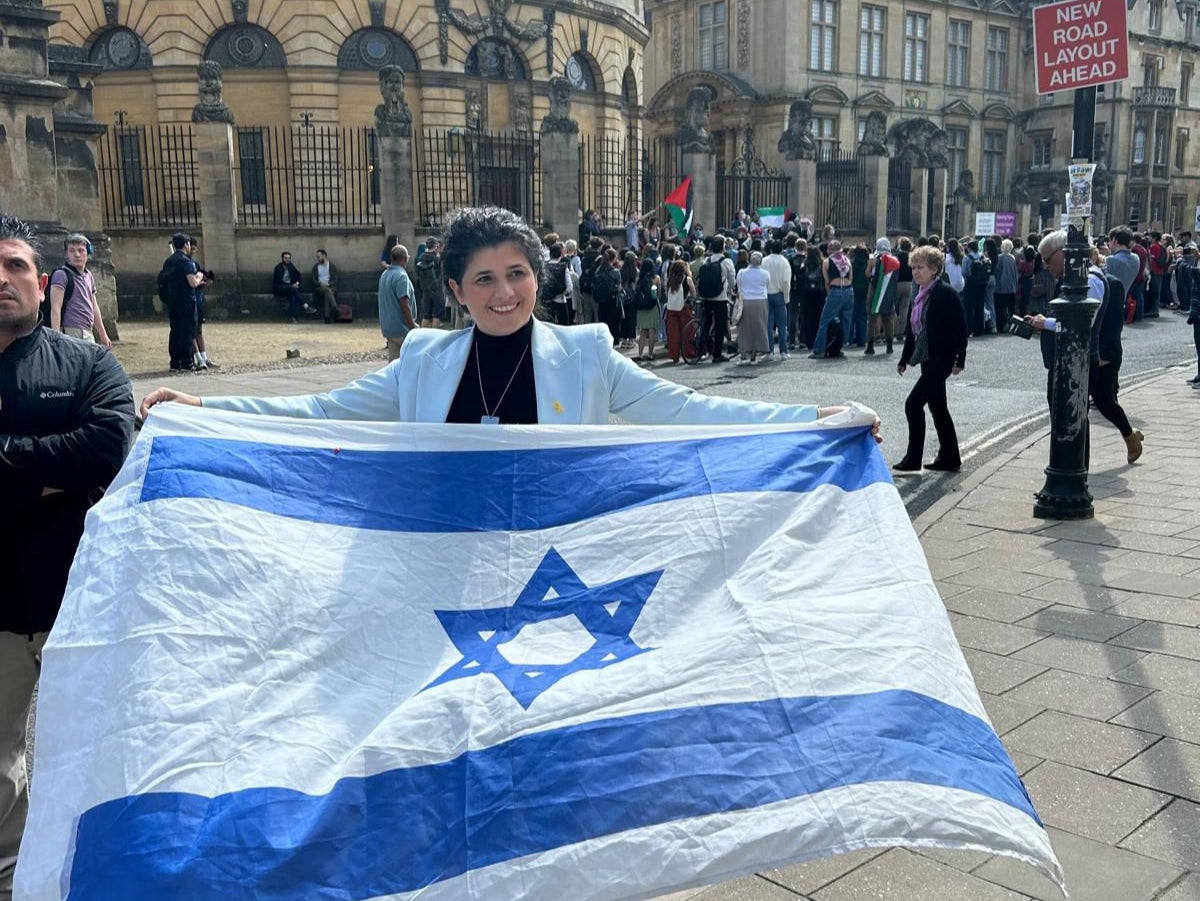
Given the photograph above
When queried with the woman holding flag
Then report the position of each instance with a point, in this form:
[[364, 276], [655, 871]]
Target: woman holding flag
[[510, 368]]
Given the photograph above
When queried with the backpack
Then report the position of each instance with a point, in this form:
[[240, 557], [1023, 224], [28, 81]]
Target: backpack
[[166, 276], [427, 275], [68, 291], [798, 277], [555, 284], [644, 298], [604, 287], [588, 275], [711, 281], [981, 271]]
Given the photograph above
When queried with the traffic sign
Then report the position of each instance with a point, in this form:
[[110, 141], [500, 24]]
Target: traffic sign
[[1080, 43]]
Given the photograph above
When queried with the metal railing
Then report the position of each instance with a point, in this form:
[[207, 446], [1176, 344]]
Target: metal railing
[[842, 192], [899, 195], [470, 168], [306, 175], [1153, 95], [607, 182], [148, 177]]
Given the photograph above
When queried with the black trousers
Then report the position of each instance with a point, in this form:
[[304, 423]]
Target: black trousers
[[1196, 341], [609, 312], [716, 325], [930, 390], [1005, 307], [562, 313], [973, 299], [183, 333], [1102, 385]]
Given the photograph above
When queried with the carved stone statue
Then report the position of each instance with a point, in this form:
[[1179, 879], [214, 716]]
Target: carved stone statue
[[922, 143], [965, 189], [559, 120], [211, 107], [797, 141], [520, 108], [693, 134], [393, 118], [1018, 188], [474, 110], [874, 139]]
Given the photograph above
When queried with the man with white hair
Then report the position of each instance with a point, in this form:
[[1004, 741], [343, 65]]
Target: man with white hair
[[1104, 351]]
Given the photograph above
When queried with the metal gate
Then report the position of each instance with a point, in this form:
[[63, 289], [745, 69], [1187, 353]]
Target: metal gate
[[842, 192], [899, 195], [748, 184], [473, 168]]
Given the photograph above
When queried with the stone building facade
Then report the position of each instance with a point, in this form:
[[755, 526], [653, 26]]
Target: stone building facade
[[965, 67]]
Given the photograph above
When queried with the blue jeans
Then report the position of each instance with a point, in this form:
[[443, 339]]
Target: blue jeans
[[1139, 299], [777, 322], [839, 304]]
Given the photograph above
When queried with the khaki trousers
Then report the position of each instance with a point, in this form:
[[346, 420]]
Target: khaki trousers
[[20, 663], [393, 351]]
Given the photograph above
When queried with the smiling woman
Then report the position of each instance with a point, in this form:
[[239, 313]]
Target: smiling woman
[[509, 368]]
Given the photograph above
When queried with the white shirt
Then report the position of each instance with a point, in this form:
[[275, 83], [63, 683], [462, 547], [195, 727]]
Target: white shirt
[[780, 271], [753, 282], [323, 273]]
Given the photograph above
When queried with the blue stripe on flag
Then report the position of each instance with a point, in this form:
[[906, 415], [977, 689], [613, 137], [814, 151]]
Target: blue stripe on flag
[[401, 830], [510, 490]]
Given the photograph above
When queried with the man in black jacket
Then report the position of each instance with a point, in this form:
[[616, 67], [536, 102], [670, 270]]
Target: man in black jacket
[[66, 423], [285, 282]]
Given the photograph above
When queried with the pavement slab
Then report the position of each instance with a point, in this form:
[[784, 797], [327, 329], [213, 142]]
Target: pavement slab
[[1165, 713], [991, 576], [1086, 696], [748, 888], [1178, 641], [997, 674], [806, 878], [1090, 658], [1084, 803], [1171, 766], [1080, 742], [988, 635], [1094, 872], [1006, 713], [995, 605], [1180, 611], [1062, 619], [901, 875], [1186, 889], [1079, 594], [1172, 835], [1174, 674]]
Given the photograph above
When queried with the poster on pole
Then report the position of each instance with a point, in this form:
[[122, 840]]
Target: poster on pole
[[985, 224], [1079, 44], [1079, 197]]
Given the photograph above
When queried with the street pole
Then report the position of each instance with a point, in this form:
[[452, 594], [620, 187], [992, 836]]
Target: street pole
[[1065, 494]]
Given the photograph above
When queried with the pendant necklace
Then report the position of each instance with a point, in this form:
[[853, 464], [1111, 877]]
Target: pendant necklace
[[490, 418]]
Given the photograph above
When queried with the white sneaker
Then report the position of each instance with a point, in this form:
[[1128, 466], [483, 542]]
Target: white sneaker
[[754, 361], [783, 357]]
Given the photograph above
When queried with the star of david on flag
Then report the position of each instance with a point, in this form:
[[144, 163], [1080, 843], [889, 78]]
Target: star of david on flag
[[464, 663], [567, 627]]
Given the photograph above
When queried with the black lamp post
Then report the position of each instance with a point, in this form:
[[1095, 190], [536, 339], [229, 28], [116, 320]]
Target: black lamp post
[[1065, 494]]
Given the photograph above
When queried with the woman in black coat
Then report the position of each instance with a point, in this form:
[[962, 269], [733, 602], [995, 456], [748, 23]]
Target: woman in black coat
[[936, 339]]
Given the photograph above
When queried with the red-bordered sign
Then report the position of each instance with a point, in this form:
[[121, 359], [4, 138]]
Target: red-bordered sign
[[1080, 43]]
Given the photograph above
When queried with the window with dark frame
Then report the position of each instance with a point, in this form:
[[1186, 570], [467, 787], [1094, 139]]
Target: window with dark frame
[[252, 165], [871, 36], [916, 47], [822, 49], [1042, 151], [995, 64], [713, 36], [133, 184], [956, 153], [992, 180], [958, 53]]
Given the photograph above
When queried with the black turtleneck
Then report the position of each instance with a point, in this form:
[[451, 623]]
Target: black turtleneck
[[498, 358]]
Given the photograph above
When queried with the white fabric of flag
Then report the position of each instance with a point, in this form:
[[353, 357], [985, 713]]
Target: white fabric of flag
[[771, 217], [341, 660]]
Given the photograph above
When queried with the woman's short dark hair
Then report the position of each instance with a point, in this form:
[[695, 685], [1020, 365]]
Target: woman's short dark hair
[[472, 229], [646, 270]]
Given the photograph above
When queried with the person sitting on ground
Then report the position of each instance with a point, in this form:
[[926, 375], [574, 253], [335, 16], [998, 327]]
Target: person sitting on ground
[[285, 283], [509, 369]]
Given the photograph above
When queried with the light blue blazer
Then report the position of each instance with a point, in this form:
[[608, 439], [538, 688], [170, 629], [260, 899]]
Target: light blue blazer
[[580, 380]]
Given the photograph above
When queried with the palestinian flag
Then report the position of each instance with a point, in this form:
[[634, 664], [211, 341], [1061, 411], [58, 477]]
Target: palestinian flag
[[679, 206], [771, 216]]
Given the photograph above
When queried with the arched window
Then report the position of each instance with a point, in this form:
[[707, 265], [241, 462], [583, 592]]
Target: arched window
[[245, 47], [1139, 145], [120, 48], [629, 91], [373, 48], [580, 72], [493, 58]]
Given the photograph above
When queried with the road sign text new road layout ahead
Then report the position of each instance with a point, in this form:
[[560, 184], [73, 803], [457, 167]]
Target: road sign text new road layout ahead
[[1080, 43]]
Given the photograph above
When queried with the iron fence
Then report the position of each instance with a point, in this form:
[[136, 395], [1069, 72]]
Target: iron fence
[[471, 168], [148, 177], [604, 176], [306, 175], [842, 192], [899, 195], [749, 193]]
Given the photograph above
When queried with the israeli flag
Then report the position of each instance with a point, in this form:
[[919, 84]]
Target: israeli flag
[[329, 660]]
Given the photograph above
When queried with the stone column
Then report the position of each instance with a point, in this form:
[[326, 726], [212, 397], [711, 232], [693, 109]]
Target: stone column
[[560, 162], [393, 125], [212, 136], [28, 170], [938, 190], [76, 138], [803, 188], [1025, 223], [877, 193]]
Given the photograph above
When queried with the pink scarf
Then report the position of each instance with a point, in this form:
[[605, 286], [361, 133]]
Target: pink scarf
[[842, 263], [916, 317]]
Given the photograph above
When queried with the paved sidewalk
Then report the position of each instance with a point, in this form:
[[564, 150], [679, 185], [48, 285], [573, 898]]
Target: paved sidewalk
[[1084, 639]]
